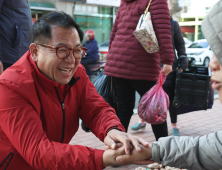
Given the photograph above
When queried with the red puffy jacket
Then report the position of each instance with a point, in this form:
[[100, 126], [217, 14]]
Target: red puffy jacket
[[127, 58], [36, 128]]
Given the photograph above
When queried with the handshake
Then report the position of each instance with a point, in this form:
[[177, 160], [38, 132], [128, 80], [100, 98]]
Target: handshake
[[119, 156]]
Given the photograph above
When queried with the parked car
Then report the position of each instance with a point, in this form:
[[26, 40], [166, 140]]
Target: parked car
[[187, 42], [200, 52], [103, 50]]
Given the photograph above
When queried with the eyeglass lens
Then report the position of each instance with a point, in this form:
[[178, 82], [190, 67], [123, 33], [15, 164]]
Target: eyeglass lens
[[64, 52]]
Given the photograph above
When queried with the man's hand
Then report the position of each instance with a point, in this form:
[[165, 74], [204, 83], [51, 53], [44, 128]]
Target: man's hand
[[142, 157], [166, 69], [1, 68], [115, 136], [109, 156]]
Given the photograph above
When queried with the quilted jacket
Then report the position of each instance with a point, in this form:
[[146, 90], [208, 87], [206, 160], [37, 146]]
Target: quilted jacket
[[126, 57]]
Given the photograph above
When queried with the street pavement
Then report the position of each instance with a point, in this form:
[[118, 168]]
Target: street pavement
[[191, 124]]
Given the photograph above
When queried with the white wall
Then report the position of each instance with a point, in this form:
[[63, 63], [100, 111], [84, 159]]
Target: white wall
[[66, 7]]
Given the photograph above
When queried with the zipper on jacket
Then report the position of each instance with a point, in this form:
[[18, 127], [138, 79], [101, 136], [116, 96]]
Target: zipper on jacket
[[71, 83], [9, 155], [63, 114], [63, 125]]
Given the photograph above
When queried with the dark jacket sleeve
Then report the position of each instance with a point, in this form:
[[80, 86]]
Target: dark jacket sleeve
[[93, 47], [1, 2], [161, 24], [180, 46], [178, 39]]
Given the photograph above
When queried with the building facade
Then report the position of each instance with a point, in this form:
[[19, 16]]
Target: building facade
[[192, 14], [98, 15]]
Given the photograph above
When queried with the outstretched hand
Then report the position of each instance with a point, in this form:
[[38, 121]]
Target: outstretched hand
[[115, 136], [119, 157]]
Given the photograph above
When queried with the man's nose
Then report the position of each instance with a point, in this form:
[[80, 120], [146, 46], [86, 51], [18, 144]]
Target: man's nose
[[71, 58]]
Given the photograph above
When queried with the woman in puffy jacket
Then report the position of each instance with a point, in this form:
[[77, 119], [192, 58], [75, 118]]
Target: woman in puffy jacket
[[181, 61], [202, 152], [132, 68]]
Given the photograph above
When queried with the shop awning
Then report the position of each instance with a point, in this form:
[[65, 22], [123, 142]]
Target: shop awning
[[42, 6]]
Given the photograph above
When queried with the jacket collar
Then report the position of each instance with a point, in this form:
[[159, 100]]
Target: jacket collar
[[48, 84]]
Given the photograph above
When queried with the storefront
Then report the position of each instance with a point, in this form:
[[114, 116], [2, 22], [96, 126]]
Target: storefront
[[39, 8], [98, 16]]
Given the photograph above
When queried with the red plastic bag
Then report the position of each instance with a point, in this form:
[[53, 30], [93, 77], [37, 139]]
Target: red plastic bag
[[153, 106]]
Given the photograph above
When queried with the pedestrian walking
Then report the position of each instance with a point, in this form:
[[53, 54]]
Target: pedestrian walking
[[202, 152], [181, 62], [132, 68]]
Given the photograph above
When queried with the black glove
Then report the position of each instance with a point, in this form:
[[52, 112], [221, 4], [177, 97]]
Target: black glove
[[183, 62]]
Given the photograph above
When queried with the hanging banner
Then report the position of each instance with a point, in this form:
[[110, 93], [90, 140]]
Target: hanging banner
[[114, 3]]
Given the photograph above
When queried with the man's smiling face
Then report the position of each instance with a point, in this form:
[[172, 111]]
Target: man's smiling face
[[56, 69]]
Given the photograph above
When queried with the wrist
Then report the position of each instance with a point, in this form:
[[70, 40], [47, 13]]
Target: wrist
[[105, 160], [112, 129]]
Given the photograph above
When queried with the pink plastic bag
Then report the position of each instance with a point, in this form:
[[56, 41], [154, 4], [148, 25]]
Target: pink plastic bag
[[153, 106]]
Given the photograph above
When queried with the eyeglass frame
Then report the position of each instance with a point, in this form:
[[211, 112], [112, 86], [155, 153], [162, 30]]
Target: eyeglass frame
[[70, 49]]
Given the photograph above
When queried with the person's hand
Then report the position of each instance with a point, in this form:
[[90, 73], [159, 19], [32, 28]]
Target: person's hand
[[135, 157], [115, 136], [166, 69], [1, 68], [181, 70], [109, 156]]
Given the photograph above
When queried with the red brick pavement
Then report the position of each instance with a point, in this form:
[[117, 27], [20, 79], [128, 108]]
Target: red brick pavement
[[191, 124]]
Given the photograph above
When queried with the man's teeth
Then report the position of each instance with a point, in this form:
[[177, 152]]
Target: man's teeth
[[64, 70]]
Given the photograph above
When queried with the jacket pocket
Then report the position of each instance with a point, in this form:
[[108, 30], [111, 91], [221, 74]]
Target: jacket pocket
[[7, 160], [18, 33]]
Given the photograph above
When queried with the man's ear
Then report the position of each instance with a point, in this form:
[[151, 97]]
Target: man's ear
[[34, 51]]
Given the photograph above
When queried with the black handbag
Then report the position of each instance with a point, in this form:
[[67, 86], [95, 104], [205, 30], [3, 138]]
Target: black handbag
[[105, 87], [193, 90]]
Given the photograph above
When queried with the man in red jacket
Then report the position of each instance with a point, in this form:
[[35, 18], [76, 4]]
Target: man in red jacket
[[44, 94]]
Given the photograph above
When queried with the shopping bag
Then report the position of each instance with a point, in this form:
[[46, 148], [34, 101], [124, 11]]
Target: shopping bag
[[153, 106], [145, 33], [105, 87]]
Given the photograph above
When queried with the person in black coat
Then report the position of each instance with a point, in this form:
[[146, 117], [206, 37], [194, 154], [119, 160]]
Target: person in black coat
[[15, 25], [180, 62]]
